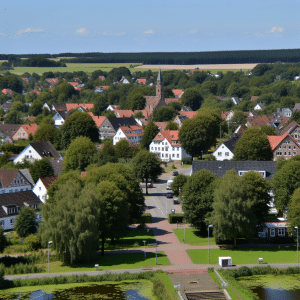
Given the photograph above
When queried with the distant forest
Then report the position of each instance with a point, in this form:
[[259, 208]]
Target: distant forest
[[178, 58]]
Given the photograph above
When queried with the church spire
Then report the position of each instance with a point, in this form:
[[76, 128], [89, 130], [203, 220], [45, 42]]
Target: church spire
[[159, 78]]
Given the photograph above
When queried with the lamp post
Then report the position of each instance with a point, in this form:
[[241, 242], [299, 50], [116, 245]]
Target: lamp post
[[155, 251], [209, 226], [144, 248], [296, 227], [50, 242]]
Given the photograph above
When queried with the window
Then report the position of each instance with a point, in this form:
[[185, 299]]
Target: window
[[158, 148], [2, 222], [290, 148], [272, 232], [151, 148], [177, 155], [173, 148], [173, 155], [29, 151], [162, 143], [219, 153], [177, 148], [284, 153], [40, 188], [11, 221], [278, 153], [155, 148], [296, 136], [294, 153], [162, 155], [294, 147], [226, 153], [162, 149], [281, 231], [289, 153]]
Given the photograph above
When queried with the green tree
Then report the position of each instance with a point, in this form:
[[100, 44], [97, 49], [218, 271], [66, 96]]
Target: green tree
[[201, 132], [79, 154], [178, 183], [13, 117], [78, 124], [172, 126], [71, 221], [2, 241], [164, 114], [41, 168], [192, 97], [268, 130], [198, 195], [36, 107], [25, 222], [239, 118], [253, 145], [150, 132], [137, 102], [106, 154], [146, 166], [47, 132], [293, 214], [123, 149]]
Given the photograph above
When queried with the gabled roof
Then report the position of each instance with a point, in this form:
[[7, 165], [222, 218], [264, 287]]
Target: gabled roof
[[124, 113], [70, 106], [27, 175], [261, 105], [221, 167], [169, 100], [99, 120], [275, 140], [102, 77], [7, 92], [177, 92], [47, 181], [103, 87], [142, 80], [57, 165], [161, 125], [146, 112], [35, 92], [7, 176], [188, 114], [169, 135], [74, 83], [131, 130], [289, 128], [9, 129], [45, 149], [59, 106], [296, 107], [19, 199], [231, 141], [240, 129], [259, 120], [52, 80], [114, 106], [30, 128], [254, 98], [118, 122]]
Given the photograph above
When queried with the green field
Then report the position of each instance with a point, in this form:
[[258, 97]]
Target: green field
[[246, 256], [192, 237]]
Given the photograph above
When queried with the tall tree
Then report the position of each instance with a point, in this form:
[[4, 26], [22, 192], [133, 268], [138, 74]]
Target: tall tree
[[178, 183], [137, 102], [25, 223], [253, 145], [2, 243], [198, 195], [146, 166], [293, 214], [192, 97], [172, 126], [47, 132], [13, 117], [41, 168], [107, 154], [150, 131], [78, 124], [80, 154], [164, 114]]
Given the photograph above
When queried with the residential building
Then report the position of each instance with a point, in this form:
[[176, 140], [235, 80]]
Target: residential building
[[132, 133], [259, 106], [8, 92], [7, 132], [166, 146], [41, 187], [6, 106], [178, 93], [227, 115], [259, 121], [24, 131], [37, 151], [254, 98], [294, 130], [284, 112], [225, 149], [52, 81], [141, 81], [112, 107], [284, 146], [57, 165], [60, 117], [13, 180]]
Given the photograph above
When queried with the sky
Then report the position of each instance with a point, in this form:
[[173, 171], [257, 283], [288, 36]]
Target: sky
[[57, 26]]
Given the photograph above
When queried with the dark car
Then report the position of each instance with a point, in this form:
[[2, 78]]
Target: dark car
[[175, 173], [176, 201], [169, 195]]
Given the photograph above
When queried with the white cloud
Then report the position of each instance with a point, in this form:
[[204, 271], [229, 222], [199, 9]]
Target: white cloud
[[150, 31], [29, 30], [82, 31], [114, 34], [276, 30], [193, 31]]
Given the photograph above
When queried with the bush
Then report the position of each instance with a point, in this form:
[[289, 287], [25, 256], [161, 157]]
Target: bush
[[173, 167], [174, 218], [145, 219], [187, 161], [32, 242]]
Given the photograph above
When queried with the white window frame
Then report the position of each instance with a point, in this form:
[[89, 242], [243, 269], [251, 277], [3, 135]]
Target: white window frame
[[272, 232]]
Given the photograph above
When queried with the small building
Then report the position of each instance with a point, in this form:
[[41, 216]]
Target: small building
[[225, 261], [41, 187], [259, 106], [225, 149], [132, 133]]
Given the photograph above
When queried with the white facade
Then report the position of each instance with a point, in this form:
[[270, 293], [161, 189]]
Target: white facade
[[222, 152], [40, 190], [257, 107], [8, 222], [166, 152], [28, 153], [133, 139], [58, 120], [15, 189]]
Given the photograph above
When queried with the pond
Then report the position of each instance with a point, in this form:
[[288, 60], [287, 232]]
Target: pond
[[114, 291], [272, 287]]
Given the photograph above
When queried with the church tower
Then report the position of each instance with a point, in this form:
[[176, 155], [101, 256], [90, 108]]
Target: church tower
[[160, 87]]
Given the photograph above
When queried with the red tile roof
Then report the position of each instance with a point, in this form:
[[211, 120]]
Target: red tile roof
[[30, 118], [169, 100], [102, 77], [177, 92], [7, 92], [169, 135], [52, 80], [103, 87], [99, 120], [188, 114], [74, 83], [259, 120], [30, 128], [47, 181], [76, 105], [142, 80], [130, 130], [254, 98], [161, 125], [275, 140], [123, 113], [35, 92]]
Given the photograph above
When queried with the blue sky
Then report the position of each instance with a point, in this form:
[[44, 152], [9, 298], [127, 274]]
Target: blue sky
[[147, 26]]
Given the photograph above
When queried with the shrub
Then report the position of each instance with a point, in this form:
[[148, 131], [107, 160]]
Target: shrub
[[174, 218], [173, 167], [187, 161], [32, 242], [145, 219]]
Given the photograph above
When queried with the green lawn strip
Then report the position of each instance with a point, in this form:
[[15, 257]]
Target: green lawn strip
[[192, 237], [245, 256], [113, 262], [169, 285], [134, 239]]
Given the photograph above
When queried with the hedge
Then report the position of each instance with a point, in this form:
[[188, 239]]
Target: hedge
[[174, 218]]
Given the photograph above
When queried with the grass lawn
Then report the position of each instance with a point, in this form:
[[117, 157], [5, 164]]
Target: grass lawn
[[192, 237], [113, 262], [134, 239], [245, 256]]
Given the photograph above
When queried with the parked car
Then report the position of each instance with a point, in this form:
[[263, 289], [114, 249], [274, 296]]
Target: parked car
[[175, 173], [176, 201], [169, 195]]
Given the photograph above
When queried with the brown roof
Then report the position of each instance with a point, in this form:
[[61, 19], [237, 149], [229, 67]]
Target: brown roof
[[9, 129], [70, 106], [254, 98], [290, 127], [30, 128], [19, 199], [7, 176], [47, 181], [259, 120], [57, 166], [169, 100], [45, 149], [59, 106]]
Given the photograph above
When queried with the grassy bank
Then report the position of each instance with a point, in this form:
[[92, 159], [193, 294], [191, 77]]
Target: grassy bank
[[193, 237], [245, 256]]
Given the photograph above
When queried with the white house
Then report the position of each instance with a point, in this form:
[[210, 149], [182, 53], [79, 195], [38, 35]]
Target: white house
[[132, 133], [225, 150], [59, 118], [112, 107], [37, 151], [259, 106], [166, 146], [13, 180], [41, 187]]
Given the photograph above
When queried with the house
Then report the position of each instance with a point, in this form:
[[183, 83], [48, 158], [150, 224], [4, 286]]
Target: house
[[284, 146], [24, 131], [7, 132], [179, 120], [60, 117], [8, 92], [11, 203], [178, 93], [102, 77], [41, 187], [225, 149], [59, 107], [254, 98], [183, 115], [235, 100], [141, 81], [112, 107], [296, 107], [6, 106], [186, 108], [166, 146], [74, 84], [80, 106], [294, 130], [266, 168], [124, 80], [284, 112], [37, 151], [259, 106], [52, 81], [13, 180], [35, 92], [132, 133], [161, 125], [259, 120], [227, 115], [297, 78], [123, 113], [276, 228], [279, 122]]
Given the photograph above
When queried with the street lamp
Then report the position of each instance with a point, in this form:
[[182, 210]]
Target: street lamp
[[209, 226], [155, 251], [50, 242], [296, 227], [144, 248]]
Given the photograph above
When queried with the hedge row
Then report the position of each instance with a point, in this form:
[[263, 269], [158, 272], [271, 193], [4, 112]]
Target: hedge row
[[174, 218]]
